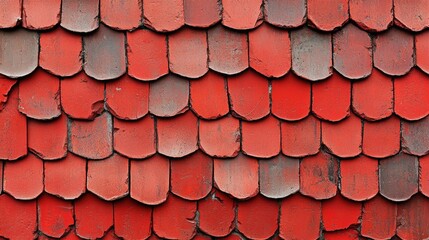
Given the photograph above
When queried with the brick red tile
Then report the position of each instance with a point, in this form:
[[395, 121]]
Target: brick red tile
[[285, 13], [146, 54], [234, 236], [132, 220], [200, 236], [424, 175], [381, 138], [187, 52], [169, 96], [415, 139], [21, 222], [150, 180], [135, 139], [352, 52], [394, 52], [110, 235], [228, 50], [23, 45], [128, 17], [319, 176], [23, 179], [370, 15], [65, 178], [237, 177], [378, 218], [422, 44], [202, 14], [359, 178], [241, 14], [290, 97], [306, 44], [6, 85], [301, 138], [343, 139], [412, 95], [297, 211], [93, 216], [55, 216], [217, 214], [80, 16], [169, 19], [178, 213], [1, 177], [71, 236], [339, 213], [91, 139], [261, 138], [192, 177], [82, 97], [413, 222], [209, 96], [10, 14], [348, 234], [413, 16], [37, 15], [328, 16]]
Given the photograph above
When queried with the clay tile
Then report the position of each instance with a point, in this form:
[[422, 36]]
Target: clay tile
[[91, 139], [13, 134], [399, 176], [319, 176], [147, 54], [352, 52], [372, 15], [331, 98], [127, 98], [290, 98], [261, 138], [343, 139], [110, 235], [132, 220], [104, 54], [135, 139], [394, 52], [328, 16], [257, 218], [412, 95], [217, 214], [422, 45], [297, 211], [21, 220], [301, 138], [10, 13], [220, 138], [359, 178], [279, 176], [55, 216], [39, 96], [23, 45], [339, 213], [177, 137], [191, 177], [382, 138], [373, 97], [79, 16], [424, 175], [121, 15], [70, 236], [415, 138], [169, 96], [178, 213], [241, 14], [413, 16], [187, 52], [23, 179], [249, 95], [228, 50], [271, 60], [234, 236], [378, 218], [285, 13], [66, 178], [150, 180], [413, 221], [108, 178], [40, 15], [82, 97], [48, 140], [238, 176], [1, 176], [202, 13], [169, 19], [6, 85], [348, 234], [93, 216]]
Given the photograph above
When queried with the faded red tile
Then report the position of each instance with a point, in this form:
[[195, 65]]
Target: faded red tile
[[228, 50], [169, 96], [319, 176], [91, 139], [80, 16], [412, 15], [415, 138], [178, 213], [55, 216], [10, 13], [23, 179], [128, 17], [372, 15], [66, 177], [200, 236], [132, 220], [38, 15], [202, 13], [192, 177], [348, 234], [6, 85], [279, 176], [413, 222], [422, 45], [21, 220], [1, 176], [378, 218], [187, 52], [301, 138], [339, 213], [382, 138], [424, 175], [261, 138], [169, 19], [328, 15], [241, 14], [150, 180], [285, 13], [238, 176]]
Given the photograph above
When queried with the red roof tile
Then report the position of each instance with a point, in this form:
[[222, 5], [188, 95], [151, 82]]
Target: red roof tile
[[129, 16], [348, 234], [169, 19], [79, 16], [285, 13], [339, 213], [261, 138], [132, 220], [6, 85], [301, 138], [202, 14], [241, 14], [328, 16], [422, 44], [413, 222], [415, 139], [38, 15], [378, 218], [372, 15], [382, 138], [10, 13], [21, 222], [55, 216], [413, 16], [169, 96]]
